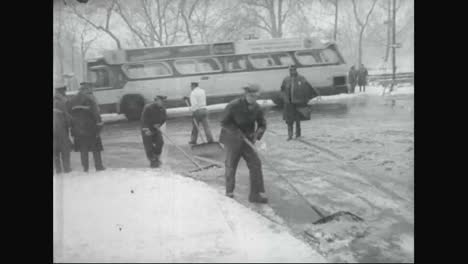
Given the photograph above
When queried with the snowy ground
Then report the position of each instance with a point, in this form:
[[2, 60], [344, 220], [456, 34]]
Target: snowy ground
[[359, 157], [143, 215]]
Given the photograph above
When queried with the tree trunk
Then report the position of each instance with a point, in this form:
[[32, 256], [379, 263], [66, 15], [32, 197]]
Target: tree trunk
[[389, 31], [360, 46], [336, 20]]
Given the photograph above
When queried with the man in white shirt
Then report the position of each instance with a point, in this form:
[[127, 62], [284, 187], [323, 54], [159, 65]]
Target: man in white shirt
[[199, 113]]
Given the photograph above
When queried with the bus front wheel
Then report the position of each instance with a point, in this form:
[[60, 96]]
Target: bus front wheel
[[132, 106]]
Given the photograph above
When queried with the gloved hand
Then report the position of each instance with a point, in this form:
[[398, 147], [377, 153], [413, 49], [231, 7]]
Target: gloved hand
[[147, 131], [259, 133]]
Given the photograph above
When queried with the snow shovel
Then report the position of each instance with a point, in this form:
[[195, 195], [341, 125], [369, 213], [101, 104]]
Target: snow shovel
[[323, 219], [200, 168], [210, 149]]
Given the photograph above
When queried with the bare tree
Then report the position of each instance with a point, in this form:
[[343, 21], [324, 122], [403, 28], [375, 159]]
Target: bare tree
[[106, 28], [277, 12], [153, 22], [362, 25], [85, 44], [187, 16]]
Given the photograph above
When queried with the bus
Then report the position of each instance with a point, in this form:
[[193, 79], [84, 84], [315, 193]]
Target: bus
[[125, 80]]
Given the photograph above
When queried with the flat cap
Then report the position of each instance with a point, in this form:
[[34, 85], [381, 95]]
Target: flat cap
[[252, 88], [292, 66], [162, 97], [194, 83]]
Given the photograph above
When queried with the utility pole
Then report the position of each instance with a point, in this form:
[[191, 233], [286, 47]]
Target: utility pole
[[394, 45], [336, 20]]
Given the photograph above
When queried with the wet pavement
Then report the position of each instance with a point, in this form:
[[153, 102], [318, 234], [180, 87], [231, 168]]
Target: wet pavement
[[356, 154]]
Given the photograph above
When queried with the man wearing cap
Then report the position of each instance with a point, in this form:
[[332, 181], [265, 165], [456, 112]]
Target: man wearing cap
[[296, 92], [199, 113], [87, 126], [152, 118], [62, 124], [243, 118]]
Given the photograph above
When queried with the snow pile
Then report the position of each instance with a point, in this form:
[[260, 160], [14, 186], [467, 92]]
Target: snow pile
[[123, 215], [334, 239]]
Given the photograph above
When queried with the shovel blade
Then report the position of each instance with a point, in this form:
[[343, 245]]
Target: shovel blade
[[212, 149]]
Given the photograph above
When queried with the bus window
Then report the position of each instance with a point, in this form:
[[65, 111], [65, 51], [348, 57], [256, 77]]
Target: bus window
[[330, 56], [186, 66], [147, 70], [208, 65], [197, 66], [235, 63], [283, 59], [309, 57], [262, 61], [101, 77]]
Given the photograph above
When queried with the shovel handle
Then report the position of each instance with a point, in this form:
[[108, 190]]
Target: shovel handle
[[183, 152]]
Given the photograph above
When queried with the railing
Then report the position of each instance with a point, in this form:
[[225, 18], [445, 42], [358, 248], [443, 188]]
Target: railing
[[388, 77]]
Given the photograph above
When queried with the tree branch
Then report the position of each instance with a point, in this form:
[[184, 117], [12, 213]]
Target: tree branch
[[134, 31], [370, 12], [355, 13]]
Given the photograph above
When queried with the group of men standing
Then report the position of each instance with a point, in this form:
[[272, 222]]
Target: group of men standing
[[243, 123], [80, 118], [358, 77]]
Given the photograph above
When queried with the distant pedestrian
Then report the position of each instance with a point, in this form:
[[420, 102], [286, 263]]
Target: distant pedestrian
[[296, 92], [62, 123], [87, 126], [352, 78], [152, 118], [199, 113], [362, 78], [244, 119]]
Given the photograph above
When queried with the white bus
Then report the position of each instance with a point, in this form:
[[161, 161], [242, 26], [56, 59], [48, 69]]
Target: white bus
[[124, 80]]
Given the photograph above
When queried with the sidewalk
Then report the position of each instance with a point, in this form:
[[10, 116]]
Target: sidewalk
[[142, 215]]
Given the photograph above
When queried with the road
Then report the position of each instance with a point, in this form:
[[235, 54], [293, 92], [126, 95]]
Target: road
[[356, 154]]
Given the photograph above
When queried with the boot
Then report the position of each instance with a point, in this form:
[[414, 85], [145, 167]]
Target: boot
[[258, 198], [230, 195], [155, 162]]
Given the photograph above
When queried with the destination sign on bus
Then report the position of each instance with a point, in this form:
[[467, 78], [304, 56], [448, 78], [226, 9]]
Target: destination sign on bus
[[273, 45], [179, 52]]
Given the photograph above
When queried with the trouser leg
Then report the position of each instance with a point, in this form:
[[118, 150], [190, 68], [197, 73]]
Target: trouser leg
[[194, 135], [158, 143], [84, 159], [206, 127], [66, 160], [298, 128], [232, 160], [57, 162], [98, 160], [255, 170], [148, 145], [290, 129]]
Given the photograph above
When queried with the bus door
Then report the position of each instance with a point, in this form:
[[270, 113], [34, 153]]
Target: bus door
[[208, 67]]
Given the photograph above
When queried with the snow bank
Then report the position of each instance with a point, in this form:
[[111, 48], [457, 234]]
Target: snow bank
[[123, 215]]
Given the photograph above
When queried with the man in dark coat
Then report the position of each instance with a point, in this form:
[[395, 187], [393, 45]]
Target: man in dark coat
[[87, 126], [152, 118], [352, 78], [296, 92], [362, 78], [239, 120], [62, 124]]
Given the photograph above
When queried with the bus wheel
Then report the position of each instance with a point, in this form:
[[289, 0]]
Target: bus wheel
[[278, 101], [132, 106]]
